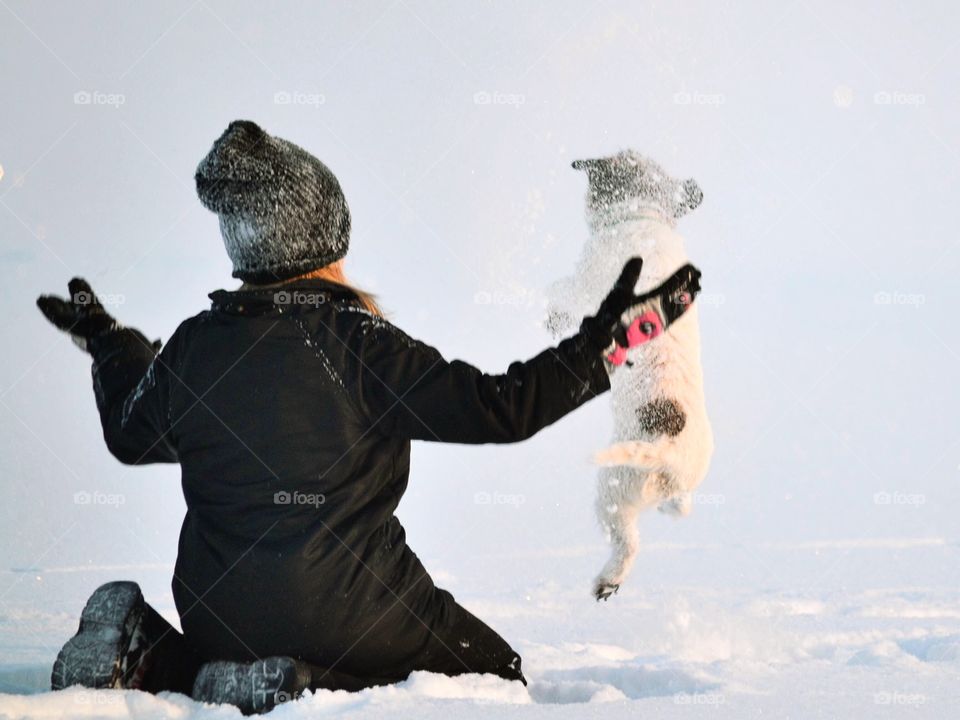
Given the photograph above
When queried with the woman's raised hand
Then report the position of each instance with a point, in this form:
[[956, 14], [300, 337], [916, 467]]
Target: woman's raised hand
[[81, 315], [626, 320]]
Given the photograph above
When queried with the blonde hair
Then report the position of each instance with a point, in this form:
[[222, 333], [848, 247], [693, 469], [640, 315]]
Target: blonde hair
[[331, 273], [334, 273]]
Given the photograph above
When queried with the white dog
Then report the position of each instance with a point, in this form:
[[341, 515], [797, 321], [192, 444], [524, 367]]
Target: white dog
[[662, 437]]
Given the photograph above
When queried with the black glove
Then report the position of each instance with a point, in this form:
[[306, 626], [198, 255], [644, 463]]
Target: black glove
[[83, 317], [626, 320]]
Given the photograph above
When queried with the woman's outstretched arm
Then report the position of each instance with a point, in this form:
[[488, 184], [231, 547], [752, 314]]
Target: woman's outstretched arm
[[130, 380], [405, 388]]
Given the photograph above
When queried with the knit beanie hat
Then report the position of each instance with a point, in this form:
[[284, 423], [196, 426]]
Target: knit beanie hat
[[281, 210]]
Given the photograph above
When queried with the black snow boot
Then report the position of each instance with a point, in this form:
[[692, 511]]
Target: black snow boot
[[254, 687], [124, 643], [106, 652]]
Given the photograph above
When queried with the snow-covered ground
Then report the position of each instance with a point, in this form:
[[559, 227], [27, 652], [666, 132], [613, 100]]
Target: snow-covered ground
[[692, 636]]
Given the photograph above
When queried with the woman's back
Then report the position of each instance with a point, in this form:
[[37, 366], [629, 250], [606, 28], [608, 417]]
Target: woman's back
[[282, 471]]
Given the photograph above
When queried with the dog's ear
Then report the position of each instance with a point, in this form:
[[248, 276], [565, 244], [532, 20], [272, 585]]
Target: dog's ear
[[585, 164], [689, 197]]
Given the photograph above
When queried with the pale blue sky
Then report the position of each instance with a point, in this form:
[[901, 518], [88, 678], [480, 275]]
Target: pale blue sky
[[825, 139]]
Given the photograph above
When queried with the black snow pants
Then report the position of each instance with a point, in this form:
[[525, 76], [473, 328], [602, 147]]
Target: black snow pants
[[465, 645]]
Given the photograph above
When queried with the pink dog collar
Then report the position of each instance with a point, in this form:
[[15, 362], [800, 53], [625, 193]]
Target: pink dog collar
[[643, 329]]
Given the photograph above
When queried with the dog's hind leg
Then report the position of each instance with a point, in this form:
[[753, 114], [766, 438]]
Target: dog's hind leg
[[678, 505], [617, 511]]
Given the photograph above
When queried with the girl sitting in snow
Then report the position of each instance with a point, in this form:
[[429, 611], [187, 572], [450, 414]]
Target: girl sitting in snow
[[290, 406]]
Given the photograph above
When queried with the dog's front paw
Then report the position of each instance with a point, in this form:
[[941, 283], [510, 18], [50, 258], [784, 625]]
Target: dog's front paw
[[558, 322], [602, 590]]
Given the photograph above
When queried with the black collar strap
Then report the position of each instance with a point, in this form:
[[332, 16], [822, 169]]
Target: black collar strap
[[289, 296]]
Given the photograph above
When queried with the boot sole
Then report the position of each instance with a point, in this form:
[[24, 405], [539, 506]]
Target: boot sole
[[107, 650], [254, 687]]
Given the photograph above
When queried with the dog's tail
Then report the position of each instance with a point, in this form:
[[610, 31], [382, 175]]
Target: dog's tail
[[634, 453]]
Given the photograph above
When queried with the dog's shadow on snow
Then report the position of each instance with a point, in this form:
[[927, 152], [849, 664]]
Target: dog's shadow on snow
[[585, 684]]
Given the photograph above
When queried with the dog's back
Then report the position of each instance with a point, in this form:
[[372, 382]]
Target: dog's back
[[659, 401]]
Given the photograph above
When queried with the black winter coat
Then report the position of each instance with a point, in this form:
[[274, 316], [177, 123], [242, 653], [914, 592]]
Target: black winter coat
[[291, 414]]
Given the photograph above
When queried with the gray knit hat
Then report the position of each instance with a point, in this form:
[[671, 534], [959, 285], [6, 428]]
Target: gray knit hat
[[281, 210]]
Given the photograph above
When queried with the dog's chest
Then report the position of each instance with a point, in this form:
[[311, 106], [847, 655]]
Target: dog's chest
[[612, 244]]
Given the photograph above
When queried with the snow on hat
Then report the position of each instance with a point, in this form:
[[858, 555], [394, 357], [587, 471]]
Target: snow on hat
[[282, 212]]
